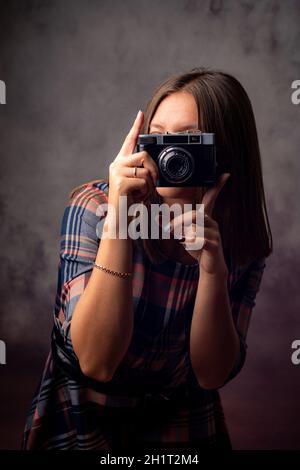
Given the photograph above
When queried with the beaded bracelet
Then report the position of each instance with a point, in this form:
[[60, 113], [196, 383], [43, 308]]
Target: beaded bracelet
[[110, 271]]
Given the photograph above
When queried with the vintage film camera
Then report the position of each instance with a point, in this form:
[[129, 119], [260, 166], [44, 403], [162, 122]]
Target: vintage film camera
[[183, 158]]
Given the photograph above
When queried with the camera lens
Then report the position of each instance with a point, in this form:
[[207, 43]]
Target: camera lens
[[176, 164]]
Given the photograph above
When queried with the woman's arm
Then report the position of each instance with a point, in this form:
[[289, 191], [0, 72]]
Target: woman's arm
[[102, 322], [214, 342], [222, 314], [217, 339]]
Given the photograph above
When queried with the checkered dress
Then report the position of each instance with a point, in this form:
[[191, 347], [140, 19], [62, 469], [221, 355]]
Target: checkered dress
[[154, 399]]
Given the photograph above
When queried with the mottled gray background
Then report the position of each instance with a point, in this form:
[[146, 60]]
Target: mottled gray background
[[76, 74]]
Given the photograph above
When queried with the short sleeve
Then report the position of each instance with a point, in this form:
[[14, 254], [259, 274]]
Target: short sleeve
[[79, 243], [244, 284]]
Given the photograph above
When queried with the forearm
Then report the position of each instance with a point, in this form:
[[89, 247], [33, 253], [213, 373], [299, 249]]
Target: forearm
[[214, 342], [102, 322]]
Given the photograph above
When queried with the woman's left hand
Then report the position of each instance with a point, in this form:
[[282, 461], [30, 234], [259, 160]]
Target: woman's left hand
[[210, 256]]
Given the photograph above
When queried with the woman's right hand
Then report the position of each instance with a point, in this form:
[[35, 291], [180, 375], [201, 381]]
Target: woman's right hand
[[121, 171]]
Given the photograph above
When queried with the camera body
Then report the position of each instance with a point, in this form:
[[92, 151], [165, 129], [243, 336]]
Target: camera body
[[183, 159]]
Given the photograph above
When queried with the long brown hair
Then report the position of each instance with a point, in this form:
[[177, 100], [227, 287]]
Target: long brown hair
[[240, 208]]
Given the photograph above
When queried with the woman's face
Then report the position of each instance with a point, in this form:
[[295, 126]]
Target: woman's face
[[177, 112]]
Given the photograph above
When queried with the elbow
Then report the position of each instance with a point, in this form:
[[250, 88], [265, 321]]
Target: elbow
[[87, 364], [215, 377], [213, 380], [208, 380], [99, 374], [212, 384]]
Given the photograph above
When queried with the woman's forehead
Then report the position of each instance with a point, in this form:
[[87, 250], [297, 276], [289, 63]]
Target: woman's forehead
[[178, 110]]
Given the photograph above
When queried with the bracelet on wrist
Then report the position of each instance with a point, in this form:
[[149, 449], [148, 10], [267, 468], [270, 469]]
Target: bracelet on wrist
[[114, 273]]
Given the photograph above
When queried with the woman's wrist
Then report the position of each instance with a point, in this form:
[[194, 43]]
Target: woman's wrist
[[220, 275], [117, 219]]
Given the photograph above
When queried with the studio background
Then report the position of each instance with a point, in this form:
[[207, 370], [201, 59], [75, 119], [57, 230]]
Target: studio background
[[76, 74]]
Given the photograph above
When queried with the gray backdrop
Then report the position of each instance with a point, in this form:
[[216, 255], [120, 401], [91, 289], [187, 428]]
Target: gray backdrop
[[76, 74]]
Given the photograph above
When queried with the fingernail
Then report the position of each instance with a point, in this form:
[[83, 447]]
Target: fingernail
[[138, 114]]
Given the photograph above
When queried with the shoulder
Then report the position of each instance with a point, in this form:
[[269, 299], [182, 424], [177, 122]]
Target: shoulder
[[89, 196], [93, 191], [86, 203]]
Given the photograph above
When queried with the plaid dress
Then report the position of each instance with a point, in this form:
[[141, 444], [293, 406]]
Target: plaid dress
[[154, 399]]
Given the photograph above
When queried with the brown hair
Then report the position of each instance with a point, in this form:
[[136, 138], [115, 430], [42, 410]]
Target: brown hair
[[240, 208]]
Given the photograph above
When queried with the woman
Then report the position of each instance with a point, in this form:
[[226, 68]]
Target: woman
[[147, 331]]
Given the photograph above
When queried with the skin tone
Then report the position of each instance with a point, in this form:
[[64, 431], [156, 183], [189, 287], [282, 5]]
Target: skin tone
[[100, 340], [177, 112], [214, 342]]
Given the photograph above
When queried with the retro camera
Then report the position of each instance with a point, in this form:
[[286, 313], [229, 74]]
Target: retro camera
[[183, 159]]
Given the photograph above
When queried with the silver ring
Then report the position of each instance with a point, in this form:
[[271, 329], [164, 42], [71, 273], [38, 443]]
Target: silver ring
[[134, 172]]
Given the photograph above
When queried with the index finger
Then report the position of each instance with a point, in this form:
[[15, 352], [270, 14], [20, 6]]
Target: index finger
[[131, 138], [185, 219]]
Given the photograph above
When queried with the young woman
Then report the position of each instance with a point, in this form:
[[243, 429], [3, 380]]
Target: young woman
[[146, 331]]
